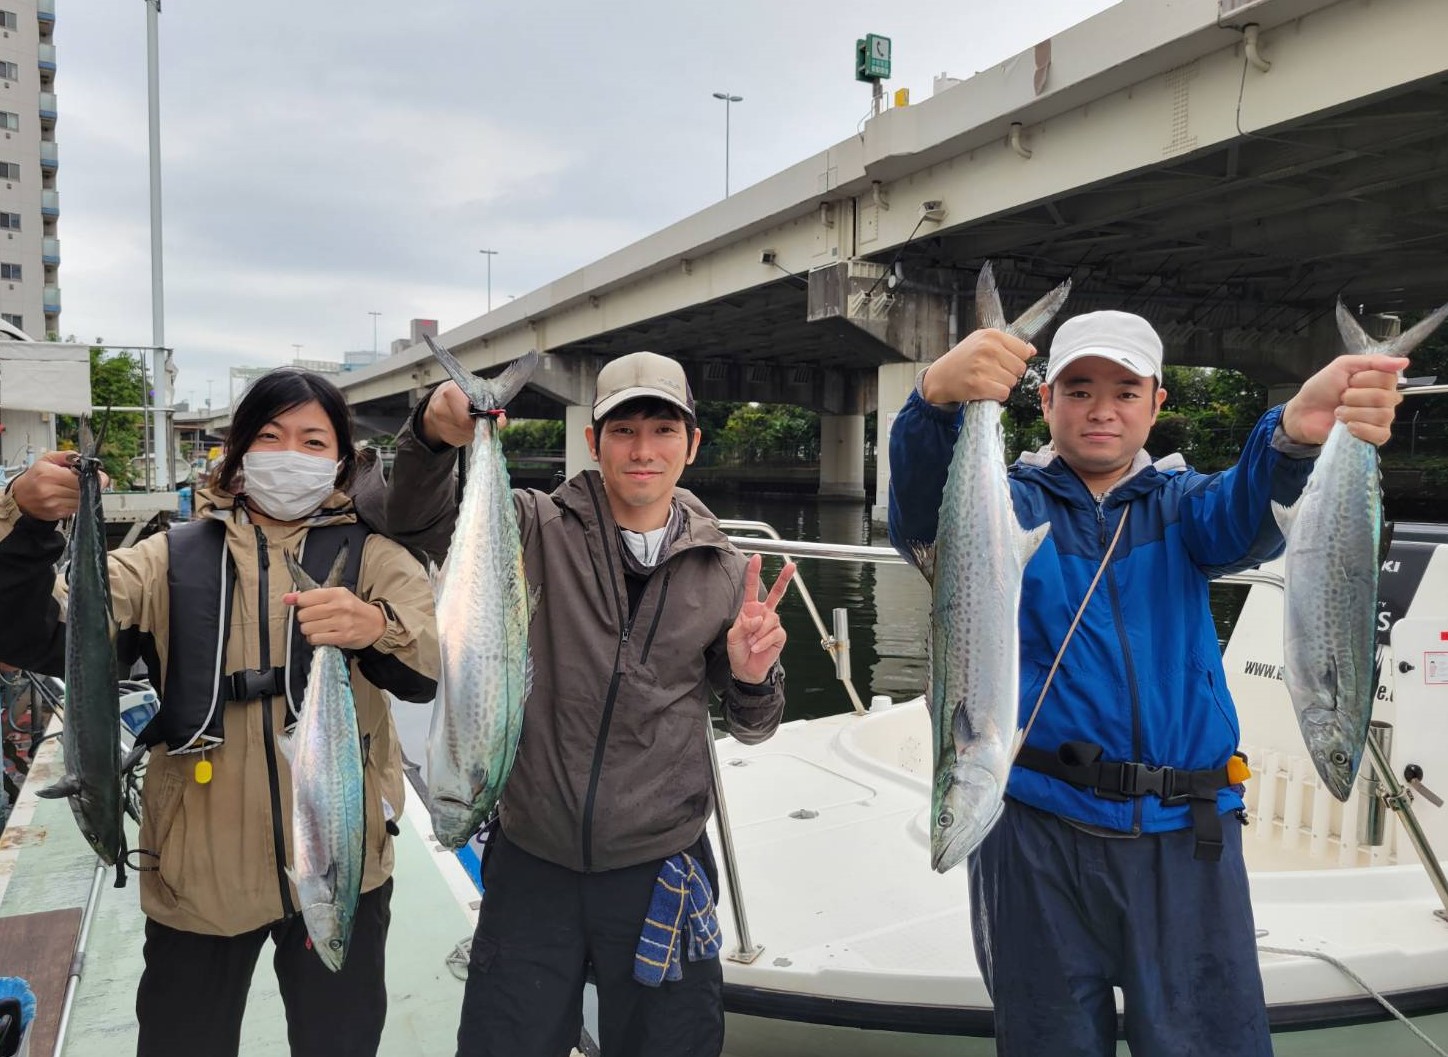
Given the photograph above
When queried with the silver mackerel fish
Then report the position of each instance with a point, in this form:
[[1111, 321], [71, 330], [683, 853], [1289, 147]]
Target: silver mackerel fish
[[90, 736], [483, 611], [974, 568], [1334, 535], [328, 809]]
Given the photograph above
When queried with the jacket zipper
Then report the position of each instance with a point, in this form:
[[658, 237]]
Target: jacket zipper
[[1120, 622], [279, 841], [626, 623], [658, 612]]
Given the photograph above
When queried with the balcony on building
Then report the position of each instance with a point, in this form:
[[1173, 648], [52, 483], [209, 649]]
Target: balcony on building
[[50, 250], [46, 56], [47, 106], [49, 155], [50, 203], [51, 299], [45, 10]]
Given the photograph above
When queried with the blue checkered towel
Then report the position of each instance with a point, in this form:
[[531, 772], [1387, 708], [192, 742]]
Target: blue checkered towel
[[682, 903]]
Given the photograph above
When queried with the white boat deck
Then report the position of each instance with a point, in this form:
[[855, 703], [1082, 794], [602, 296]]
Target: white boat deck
[[830, 826]]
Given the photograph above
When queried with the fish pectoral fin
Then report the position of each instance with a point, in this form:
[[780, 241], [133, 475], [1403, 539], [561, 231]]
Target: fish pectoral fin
[[329, 883], [961, 729], [288, 744], [535, 600], [1017, 740], [1028, 541], [1285, 516], [67, 786], [923, 556]]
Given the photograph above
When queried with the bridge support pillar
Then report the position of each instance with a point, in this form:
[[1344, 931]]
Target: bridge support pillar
[[576, 456], [896, 381], [842, 457]]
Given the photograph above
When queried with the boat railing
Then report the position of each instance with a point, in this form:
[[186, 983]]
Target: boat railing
[[1391, 791]]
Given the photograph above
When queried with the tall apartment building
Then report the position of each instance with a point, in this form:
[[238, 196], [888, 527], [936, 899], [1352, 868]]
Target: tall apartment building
[[29, 203]]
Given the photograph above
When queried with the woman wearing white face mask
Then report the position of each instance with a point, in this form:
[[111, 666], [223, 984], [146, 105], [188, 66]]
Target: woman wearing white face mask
[[209, 608]]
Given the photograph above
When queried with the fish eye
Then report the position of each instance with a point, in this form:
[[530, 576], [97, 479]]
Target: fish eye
[[336, 945], [1339, 757], [945, 820]]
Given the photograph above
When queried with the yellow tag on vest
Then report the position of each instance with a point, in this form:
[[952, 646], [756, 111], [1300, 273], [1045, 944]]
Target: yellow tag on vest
[[203, 772]]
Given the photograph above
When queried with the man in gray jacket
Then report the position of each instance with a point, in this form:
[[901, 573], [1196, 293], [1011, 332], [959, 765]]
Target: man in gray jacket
[[646, 609]]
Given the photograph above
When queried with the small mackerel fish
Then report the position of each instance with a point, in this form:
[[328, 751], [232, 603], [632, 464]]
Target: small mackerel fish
[[483, 613], [90, 737], [1334, 535], [975, 567], [328, 808]]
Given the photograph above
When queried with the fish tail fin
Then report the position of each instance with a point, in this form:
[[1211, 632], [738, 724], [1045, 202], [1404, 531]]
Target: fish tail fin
[[486, 394], [1028, 541], [301, 579], [1411, 338], [923, 557], [467, 381], [988, 311], [510, 383], [1354, 339], [334, 575], [1034, 319]]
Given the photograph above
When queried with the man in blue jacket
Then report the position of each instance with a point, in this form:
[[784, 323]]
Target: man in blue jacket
[[1118, 858]]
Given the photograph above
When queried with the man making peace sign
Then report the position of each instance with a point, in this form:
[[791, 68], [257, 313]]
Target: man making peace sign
[[646, 607]]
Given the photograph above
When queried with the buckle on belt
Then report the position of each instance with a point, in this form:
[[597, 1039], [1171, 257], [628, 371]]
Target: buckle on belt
[[249, 684], [1141, 779]]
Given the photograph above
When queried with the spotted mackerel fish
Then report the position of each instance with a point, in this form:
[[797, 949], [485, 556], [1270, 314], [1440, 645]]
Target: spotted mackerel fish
[[483, 609], [90, 736], [328, 809], [1334, 537], [974, 568]]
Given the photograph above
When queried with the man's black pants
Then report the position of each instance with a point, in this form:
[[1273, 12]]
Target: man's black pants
[[194, 987], [540, 929]]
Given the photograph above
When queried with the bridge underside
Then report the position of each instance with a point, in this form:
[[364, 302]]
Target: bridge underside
[[1237, 253]]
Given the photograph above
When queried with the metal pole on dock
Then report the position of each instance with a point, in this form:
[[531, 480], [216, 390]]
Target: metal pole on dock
[[160, 396]]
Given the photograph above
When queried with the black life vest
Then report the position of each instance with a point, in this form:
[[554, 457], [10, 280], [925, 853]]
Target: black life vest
[[201, 583]]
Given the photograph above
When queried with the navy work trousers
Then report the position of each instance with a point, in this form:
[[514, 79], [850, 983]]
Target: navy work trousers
[[541, 927], [194, 987], [1060, 916]]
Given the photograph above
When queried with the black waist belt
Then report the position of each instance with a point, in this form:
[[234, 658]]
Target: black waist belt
[[1080, 764], [252, 683]]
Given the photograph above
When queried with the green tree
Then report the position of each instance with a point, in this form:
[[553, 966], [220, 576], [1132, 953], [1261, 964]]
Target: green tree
[[116, 381], [755, 432]]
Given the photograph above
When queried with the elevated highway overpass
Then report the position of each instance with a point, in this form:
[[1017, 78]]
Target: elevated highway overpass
[[1227, 168]]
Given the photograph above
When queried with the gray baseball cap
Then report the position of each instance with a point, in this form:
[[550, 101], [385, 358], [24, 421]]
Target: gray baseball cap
[[639, 375]]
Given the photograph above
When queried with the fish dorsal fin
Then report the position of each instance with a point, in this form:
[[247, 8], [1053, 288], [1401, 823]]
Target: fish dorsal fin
[[1028, 541], [923, 556]]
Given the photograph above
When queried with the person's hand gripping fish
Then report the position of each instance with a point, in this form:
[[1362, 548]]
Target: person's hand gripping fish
[[757, 637]]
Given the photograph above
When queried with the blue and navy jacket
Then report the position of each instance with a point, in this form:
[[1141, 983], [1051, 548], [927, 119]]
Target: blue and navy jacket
[[1142, 676]]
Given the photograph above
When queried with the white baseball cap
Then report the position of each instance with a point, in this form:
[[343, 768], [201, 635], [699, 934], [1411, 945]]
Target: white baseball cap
[[1120, 337]]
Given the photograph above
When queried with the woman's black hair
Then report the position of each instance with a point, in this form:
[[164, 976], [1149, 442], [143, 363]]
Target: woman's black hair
[[276, 393]]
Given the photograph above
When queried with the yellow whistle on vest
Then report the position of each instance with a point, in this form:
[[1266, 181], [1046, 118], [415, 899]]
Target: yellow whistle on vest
[[1237, 770], [203, 772]]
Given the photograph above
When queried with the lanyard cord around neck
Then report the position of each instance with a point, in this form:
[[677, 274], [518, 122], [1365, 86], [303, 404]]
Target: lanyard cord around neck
[[1026, 730]]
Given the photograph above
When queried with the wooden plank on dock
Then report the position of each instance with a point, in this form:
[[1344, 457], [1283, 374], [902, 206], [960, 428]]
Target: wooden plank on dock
[[38, 948]]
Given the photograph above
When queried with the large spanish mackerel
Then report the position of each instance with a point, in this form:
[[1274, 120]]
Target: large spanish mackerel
[[482, 625], [90, 735], [1334, 534], [974, 568], [328, 809]]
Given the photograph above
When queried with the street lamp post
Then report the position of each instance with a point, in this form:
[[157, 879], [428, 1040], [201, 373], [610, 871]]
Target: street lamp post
[[374, 316], [729, 100], [490, 254]]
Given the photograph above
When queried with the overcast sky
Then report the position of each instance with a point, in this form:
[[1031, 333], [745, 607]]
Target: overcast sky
[[323, 159]]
